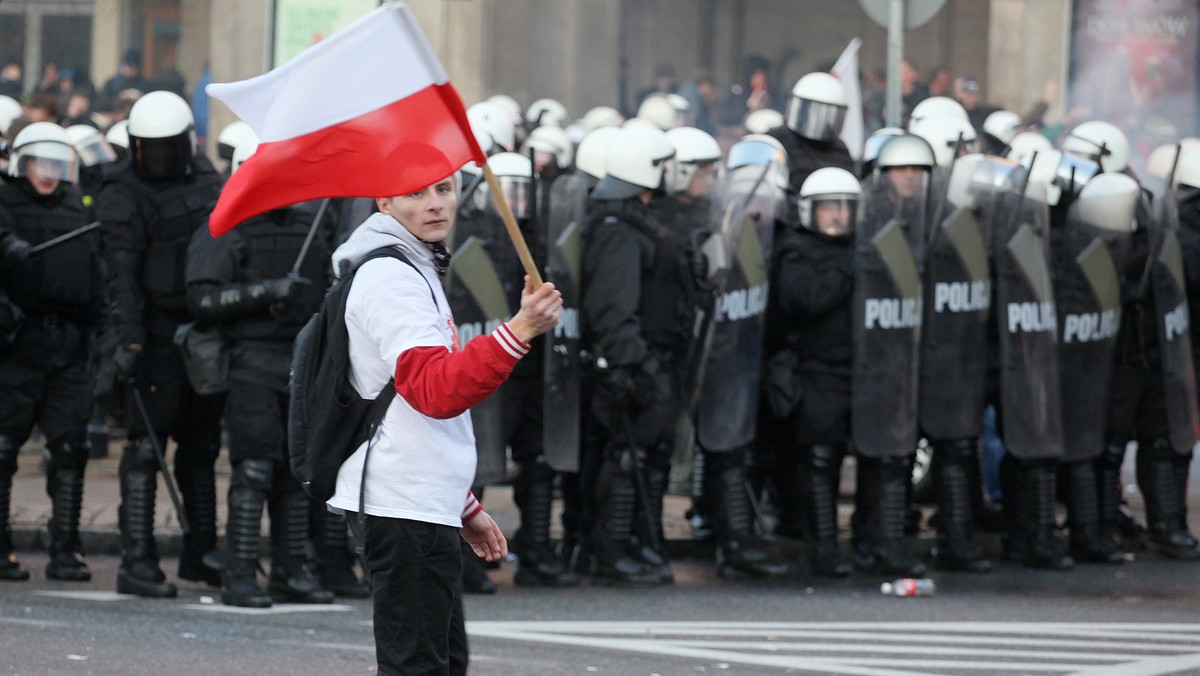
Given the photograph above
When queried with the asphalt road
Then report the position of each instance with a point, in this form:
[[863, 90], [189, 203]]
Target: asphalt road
[[1139, 618]]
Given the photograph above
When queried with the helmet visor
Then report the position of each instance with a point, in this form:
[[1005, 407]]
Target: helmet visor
[[95, 151], [161, 157], [46, 160], [815, 120], [834, 215], [517, 193]]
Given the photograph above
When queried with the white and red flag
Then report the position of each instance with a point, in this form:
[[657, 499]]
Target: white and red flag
[[367, 112], [846, 70]]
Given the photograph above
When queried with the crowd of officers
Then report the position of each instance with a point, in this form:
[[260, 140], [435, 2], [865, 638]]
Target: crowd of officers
[[754, 313]]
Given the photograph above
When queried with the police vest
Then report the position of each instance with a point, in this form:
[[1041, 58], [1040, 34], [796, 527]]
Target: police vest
[[271, 243], [61, 279], [171, 211]]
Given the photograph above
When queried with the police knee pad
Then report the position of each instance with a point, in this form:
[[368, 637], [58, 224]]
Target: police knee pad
[[536, 471], [255, 474], [1159, 449], [69, 456], [142, 455], [824, 457]]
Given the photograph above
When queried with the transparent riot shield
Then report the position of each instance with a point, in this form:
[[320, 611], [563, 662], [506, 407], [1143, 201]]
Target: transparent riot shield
[[479, 304], [887, 312], [561, 396], [1174, 338], [1027, 322], [957, 295]]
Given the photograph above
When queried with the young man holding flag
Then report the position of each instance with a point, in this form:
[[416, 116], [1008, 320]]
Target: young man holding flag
[[404, 136]]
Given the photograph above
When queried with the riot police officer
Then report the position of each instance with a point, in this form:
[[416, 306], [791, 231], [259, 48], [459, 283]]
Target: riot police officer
[[151, 205], [243, 284], [637, 323], [94, 155], [44, 378], [813, 122], [813, 286]]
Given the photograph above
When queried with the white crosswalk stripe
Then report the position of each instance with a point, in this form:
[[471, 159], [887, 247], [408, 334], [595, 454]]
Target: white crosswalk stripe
[[887, 648]]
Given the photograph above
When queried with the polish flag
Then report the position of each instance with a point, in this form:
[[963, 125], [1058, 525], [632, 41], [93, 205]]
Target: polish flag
[[367, 112]]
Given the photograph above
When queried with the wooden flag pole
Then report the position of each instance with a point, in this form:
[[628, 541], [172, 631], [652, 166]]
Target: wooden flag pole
[[514, 231]]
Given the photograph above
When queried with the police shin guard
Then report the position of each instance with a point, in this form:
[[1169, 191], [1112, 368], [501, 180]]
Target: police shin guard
[[889, 556], [1157, 481], [1108, 490], [699, 516], [335, 564], [1088, 543], [821, 491], [247, 494], [1183, 464], [956, 548], [613, 529], [10, 569], [648, 542], [139, 572], [64, 483], [738, 546], [289, 579], [1038, 483], [537, 564], [199, 561]]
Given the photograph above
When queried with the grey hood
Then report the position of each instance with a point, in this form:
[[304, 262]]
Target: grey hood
[[378, 231]]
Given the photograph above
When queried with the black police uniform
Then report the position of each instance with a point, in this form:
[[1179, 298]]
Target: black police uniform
[[44, 377], [147, 225]]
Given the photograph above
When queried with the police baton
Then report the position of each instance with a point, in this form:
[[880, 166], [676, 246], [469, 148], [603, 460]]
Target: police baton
[[172, 491], [312, 232], [63, 238], [639, 479], [510, 224]]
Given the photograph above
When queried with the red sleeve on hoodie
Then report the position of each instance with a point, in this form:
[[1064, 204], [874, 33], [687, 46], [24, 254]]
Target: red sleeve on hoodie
[[443, 384]]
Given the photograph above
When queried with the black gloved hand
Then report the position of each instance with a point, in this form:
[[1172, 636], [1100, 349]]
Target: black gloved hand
[[14, 250], [699, 259], [125, 360]]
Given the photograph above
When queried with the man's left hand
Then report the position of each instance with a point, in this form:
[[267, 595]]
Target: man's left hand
[[485, 537]]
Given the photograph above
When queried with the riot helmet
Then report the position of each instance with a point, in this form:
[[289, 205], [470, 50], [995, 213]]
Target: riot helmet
[[906, 161], [10, 110], [1100, 142], [817, 107], [937, 106], [546, 112], [510, 107], [1107, 203], [763, 120], [93, 150], [1027, 143], [829, 202], [514, 173], [551, 146], [42, 153], [231, 137], [602, 116], [244, 150], [1158, 164], [683, 110], [1187, 173], [693, 149], [634, 162], [760, 150], [589, 158], [659, 111], [873, 144], [492, 126], [118, 136], [1000, 128], [162, 135], [944, 134]]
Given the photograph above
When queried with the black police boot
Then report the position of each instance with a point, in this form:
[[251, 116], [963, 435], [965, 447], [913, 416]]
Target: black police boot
[[199, 560], [613, 530], [1107, 469], [537, 564], [1016, 510], [649, 544], [1182, 464], [1088, 543], [739, 547], [239, 584], [864, 523], [819, 487], [289, 580], [699, 516], [64, 483], [1039, 481], [10, 569], [139, 572], [890, 555], [335, 563], [956, 548], [1156, 479]]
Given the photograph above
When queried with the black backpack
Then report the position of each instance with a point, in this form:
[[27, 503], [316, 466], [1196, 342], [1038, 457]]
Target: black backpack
[[327, 419]]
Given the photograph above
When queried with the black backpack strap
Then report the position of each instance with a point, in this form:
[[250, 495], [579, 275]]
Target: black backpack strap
[[379, 406]]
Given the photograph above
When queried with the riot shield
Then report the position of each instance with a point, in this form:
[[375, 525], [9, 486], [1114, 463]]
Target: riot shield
[[887, 313], [1174, 339], [1027, 323], [727, 409], [568, 201], [478, 302]]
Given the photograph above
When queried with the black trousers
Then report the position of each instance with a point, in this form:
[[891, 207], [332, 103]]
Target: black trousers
[[415, 569]]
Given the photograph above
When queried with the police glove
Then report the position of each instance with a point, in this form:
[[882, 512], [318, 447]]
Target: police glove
[[15, 250], [125, 361]]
